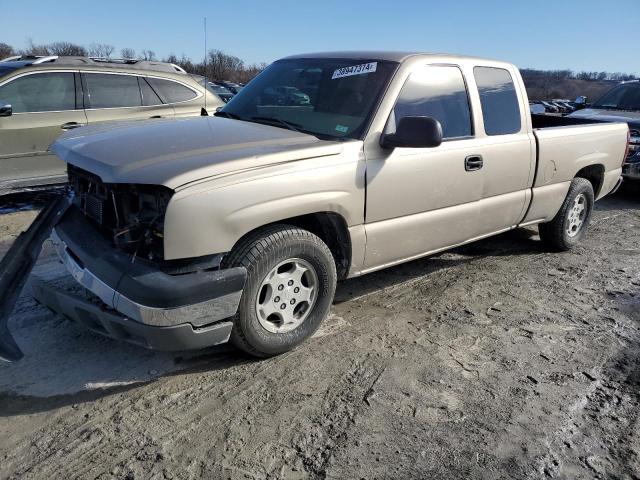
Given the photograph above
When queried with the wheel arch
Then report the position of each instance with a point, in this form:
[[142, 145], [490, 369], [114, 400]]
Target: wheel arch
[[330, 227], [595, 175]]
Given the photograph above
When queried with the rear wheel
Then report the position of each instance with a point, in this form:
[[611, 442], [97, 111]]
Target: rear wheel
[[570, 224], [291, 280]]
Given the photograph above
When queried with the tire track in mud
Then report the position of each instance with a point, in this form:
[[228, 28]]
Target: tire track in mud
[[381, 385]]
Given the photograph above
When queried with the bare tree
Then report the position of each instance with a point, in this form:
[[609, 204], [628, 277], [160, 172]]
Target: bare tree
[[128, 53], [221, 66], [148, 55], [33, 49], [108, 50], [102, 50], [6, 50], [66, 49]]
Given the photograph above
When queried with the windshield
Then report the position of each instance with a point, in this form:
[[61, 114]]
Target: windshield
[[325, 97], [623, 97]]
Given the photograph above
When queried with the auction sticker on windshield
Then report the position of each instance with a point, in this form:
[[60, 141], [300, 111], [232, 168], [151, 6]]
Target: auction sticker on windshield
[[355, 70]]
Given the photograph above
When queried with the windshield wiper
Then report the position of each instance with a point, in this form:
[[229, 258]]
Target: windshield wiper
[[606, 107], [227, 115], [296, 127], [290, 125]]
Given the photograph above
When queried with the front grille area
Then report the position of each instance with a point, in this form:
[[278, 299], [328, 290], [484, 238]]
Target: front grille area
[[130, 215], [94, 208]]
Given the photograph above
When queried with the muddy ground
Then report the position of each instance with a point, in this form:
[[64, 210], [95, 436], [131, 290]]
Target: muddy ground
[[496, 360]]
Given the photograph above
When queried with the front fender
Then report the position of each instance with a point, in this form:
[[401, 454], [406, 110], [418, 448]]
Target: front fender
[[211, 217]]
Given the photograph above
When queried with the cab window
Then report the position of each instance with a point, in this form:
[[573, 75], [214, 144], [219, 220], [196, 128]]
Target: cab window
[[112, 91], [40, 92], [499, 100], [438, 92]]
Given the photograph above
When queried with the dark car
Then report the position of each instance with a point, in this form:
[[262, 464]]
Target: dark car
[[620, 104], [214, 87], [231, 86]]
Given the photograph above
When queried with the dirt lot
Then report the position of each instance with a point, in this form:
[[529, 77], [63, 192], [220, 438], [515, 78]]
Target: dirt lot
[[497, 360]]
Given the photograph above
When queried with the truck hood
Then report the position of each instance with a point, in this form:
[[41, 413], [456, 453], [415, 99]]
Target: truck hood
[[632, 118], [176, 152]]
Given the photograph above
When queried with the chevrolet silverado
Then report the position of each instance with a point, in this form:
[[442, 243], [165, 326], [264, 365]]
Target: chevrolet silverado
[[191, 232]]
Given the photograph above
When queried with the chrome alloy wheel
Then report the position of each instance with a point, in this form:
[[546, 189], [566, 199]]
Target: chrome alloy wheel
[[287, 295], [577, 214]]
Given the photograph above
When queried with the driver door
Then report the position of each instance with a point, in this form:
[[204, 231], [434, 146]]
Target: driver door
[[420, 200]]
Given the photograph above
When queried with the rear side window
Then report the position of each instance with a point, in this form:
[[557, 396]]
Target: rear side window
[[438, 92], [41, 92], [112, 91], [149, 97], [499, 101], [171, 92]]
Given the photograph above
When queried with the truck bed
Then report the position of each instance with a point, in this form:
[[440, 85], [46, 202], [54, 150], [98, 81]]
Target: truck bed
[[539, 120], [566, 146]]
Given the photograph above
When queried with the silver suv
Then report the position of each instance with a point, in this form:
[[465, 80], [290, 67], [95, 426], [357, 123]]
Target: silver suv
[[42, 97]]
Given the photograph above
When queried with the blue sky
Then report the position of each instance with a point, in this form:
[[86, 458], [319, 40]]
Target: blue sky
[[574, 34]]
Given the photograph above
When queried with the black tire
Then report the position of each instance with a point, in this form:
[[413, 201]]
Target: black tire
[[260, 252], [554, 233]]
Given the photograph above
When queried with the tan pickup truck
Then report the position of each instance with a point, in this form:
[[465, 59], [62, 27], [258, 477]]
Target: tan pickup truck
[[191, 232]]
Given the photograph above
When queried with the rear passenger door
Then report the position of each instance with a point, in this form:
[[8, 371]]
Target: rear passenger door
[[506, 146], [119, 96]]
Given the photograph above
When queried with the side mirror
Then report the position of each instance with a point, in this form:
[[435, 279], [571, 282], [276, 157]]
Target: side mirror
[[414, 132], [5, 109]]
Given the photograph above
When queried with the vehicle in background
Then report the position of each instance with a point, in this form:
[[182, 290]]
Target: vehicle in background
[[620, 104], [42, 97], [550, 108], [231, 86], [238, 226], [224, 93], [218, 90], [285, 95], [564, 103], [580, 102], [561, 107], [537, 108]]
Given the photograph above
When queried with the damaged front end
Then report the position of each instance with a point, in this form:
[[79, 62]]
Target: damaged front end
[[110, 238], [131, 216], [111, 242]]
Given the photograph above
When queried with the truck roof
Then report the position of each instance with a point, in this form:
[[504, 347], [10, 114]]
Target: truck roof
[[382, 55]]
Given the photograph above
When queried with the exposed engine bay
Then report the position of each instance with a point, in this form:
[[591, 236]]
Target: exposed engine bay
[[131, 216]]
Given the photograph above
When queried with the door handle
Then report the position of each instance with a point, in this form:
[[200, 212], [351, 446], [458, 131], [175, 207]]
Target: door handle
[[156, 116], [70, 125], [473, 163]]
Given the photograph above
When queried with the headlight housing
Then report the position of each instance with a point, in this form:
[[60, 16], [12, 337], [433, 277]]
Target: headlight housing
[[130, 215]]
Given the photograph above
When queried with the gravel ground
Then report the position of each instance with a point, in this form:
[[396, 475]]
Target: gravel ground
[[496, 360]]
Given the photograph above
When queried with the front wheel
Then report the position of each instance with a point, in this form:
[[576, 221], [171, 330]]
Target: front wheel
[[570, 224], [291, 281]]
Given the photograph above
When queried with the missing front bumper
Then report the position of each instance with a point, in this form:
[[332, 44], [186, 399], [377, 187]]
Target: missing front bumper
[[138, 302]]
